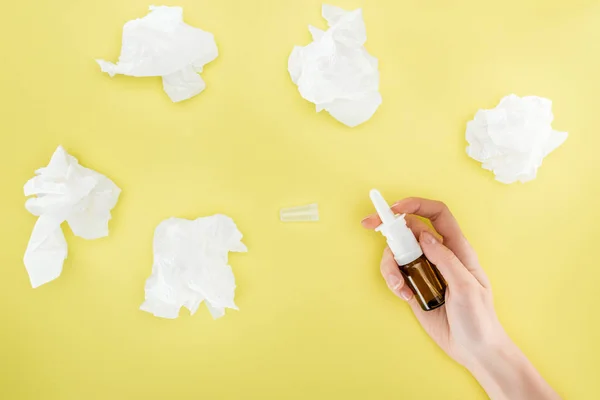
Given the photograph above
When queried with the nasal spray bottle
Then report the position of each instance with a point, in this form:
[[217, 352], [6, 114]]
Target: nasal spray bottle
[[420, 275]]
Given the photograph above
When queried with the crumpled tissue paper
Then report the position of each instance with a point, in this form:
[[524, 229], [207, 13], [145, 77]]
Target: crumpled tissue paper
[[65, 191], [190, 265], [512, 139], [335, 71], [161, 44]]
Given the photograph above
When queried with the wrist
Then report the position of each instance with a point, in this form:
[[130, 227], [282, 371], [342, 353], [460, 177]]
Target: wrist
[[499, 354], [499, 349], [497, 368], [489, 346], [504, 372]]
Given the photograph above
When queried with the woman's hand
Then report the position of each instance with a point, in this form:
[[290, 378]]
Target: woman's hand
[[466, 327], [468, 323]]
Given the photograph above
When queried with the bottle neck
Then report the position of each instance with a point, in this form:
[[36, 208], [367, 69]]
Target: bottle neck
[[406, 259], [401, 241]]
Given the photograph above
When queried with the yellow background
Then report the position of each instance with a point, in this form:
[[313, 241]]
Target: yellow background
[[316, 320]]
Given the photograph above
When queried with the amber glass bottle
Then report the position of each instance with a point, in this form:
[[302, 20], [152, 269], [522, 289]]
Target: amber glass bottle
[[426, 282], [423, 278]]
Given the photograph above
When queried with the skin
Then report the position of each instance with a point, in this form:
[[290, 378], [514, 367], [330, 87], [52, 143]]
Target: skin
[[466, 327]]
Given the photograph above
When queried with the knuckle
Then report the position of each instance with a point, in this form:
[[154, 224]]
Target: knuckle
[[441, 206]]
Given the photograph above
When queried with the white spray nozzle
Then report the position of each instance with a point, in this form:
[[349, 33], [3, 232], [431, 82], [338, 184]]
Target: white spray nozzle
[[399, 237], [384, 211]]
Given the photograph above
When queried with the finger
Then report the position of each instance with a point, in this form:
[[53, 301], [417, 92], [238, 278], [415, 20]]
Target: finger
[[393, 277], [371, 222], [417, 226], [441, 218], [445, 260], [444, 222]]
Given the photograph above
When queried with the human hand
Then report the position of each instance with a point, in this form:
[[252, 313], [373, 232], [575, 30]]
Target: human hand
[[467, 323], [466, 327]]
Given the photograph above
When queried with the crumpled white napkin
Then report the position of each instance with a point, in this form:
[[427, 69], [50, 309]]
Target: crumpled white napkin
[[190, 265], [65, 191], [335, 71], [512, 139], [161, 44]]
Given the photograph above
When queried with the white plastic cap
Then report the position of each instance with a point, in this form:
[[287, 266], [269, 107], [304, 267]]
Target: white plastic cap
[[399, 237], [299, 214]]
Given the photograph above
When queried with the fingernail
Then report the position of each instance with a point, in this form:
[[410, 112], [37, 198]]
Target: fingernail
[[428, 238], [393, 282], [406, 293], [364, 220]]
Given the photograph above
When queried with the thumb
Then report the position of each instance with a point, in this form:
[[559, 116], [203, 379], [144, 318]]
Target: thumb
[[453, 271]]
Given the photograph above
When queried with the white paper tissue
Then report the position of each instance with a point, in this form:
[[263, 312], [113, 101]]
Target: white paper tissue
[[161, 44], [335, 71], [65, 191], [190, 265], [512, 139]]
